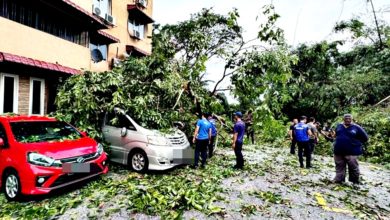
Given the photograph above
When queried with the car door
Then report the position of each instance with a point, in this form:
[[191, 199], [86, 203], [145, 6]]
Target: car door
[[112, 129], [3, 150]]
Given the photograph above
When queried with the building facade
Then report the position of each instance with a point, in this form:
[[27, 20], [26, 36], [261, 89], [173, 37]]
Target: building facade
[[44, 41]]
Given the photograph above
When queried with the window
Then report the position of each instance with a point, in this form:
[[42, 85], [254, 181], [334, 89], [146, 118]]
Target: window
[[119, 121], [37, 96], [104, 6], [9, 87], [136, 29], [3, 135], [44, 19], [43, 131], [103, 50]]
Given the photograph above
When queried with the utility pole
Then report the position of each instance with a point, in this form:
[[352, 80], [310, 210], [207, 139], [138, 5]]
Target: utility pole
[[377, 26]]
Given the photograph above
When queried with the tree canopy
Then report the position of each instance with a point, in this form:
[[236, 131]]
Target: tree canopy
[[169, 85], [274, 80]]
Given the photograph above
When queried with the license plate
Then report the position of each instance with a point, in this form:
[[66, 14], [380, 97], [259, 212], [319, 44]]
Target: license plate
[[76, 167]]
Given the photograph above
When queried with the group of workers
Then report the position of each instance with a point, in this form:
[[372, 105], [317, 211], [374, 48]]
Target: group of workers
[[348, 139], [205, 135]]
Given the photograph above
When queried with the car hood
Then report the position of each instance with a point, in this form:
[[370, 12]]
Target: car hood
[[64, 149], [153, 132]]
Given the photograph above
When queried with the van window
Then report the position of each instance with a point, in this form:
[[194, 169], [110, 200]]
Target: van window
[[119, 121]]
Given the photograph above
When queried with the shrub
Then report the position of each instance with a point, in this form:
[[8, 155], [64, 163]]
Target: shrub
[[377, 124]]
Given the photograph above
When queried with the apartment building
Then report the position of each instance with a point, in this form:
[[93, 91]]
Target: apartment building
[[42, 42]]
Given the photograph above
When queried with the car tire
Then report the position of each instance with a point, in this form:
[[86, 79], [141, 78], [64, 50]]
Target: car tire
[[138, 161], [12, 186]]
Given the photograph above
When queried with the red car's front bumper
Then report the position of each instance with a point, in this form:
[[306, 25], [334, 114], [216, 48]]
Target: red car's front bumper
[[55, 177]]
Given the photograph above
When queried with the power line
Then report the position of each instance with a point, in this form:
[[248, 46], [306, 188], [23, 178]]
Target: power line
[[338, 19], [297, 22]]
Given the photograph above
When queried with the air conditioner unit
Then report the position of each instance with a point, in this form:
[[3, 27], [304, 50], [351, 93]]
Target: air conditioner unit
[[110, 19], [137, 34], [96, 10], [143, 3], [125, 55]]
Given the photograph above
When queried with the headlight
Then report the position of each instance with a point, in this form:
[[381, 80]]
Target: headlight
[[157, 140], [100, 149], [42, 160]]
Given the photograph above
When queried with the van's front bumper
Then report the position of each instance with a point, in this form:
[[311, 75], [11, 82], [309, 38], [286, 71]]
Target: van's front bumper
[[166, 157]]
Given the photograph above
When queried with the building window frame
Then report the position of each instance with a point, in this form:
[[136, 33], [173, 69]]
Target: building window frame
[[42, 96], [16, 92], [103, 48], [134, 26], [37, 18]]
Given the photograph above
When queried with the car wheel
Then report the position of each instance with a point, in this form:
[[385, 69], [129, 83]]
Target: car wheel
[[138, 161], [12, 186]]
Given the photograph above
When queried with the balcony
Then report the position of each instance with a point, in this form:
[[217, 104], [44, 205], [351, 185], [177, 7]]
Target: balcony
[[25, 41]]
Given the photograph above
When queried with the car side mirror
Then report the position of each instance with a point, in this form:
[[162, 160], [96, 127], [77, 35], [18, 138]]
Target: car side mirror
[[2, 144], [124, 132], [84, 133]]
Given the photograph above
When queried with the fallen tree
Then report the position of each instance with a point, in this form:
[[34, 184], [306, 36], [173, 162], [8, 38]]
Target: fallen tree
[[169, 85]]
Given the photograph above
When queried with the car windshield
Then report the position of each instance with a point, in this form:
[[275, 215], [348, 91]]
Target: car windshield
[[43, 131]]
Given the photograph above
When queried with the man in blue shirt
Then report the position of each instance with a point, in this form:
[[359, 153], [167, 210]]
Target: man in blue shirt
[[347, 147], [213, 134], [202, 136], [302, 134], [238, 139]]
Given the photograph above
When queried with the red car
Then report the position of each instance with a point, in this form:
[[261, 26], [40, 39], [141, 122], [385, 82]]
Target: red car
[[39, 154]]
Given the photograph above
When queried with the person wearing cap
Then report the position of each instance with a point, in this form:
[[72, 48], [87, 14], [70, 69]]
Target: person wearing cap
[[214, 133], [202, 136], [347, 147], [238, 139]]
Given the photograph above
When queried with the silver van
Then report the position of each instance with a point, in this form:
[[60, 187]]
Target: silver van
[[143, 149]]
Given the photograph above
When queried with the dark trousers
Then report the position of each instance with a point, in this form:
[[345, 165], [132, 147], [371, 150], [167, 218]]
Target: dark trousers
[[292, 146], [250, 133], [201, 149], [304, 147], [341, 162], [239, 156], [312, 143], [211, 146]]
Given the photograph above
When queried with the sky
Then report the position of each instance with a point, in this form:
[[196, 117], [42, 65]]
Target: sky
[[303, 21]]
